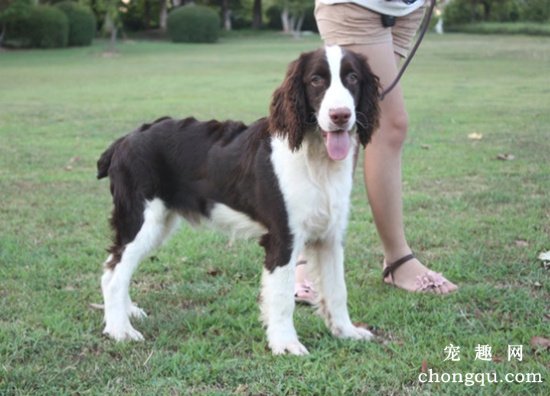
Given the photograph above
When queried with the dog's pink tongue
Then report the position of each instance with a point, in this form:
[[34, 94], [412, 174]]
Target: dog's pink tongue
[[338, 145]]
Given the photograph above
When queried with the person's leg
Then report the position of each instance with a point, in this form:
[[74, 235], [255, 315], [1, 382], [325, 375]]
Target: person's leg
[[382, 171], [359, 29], [303, 289]]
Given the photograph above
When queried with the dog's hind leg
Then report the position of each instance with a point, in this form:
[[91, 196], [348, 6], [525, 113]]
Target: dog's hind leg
[[328, 274], [116, 281], [171, 225]]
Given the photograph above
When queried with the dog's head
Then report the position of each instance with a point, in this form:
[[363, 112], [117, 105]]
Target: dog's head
[[328, 91]]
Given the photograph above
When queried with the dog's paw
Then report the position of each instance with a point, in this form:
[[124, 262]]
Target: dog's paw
[[123, 333], [293, 348], [353, 332], [136, 312]]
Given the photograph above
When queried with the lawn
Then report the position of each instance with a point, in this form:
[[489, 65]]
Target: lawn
[[481, 220]]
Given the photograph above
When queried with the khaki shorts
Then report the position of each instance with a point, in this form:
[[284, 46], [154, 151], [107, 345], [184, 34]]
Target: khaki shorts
[[350, 24]]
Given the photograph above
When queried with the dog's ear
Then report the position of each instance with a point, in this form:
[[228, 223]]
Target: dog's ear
[[288, 109], [368, 110]]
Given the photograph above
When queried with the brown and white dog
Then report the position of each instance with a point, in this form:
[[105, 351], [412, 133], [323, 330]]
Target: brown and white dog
[[285, 179]]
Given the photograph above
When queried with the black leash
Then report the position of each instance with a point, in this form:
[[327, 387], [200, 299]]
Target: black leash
[[423, 29]]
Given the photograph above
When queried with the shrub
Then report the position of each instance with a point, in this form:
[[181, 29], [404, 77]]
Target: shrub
[[140, 15], [530, 28], [507, 11], [41, 27], [193, 24], [11, 10], [48, 27], [274, 22], [11, 20], [310, 24], [536, 10], [460, 12], [273, 14], [82, 23]]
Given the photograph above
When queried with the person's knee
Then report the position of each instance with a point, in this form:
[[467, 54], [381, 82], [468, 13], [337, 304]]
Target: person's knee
[[394, 129]]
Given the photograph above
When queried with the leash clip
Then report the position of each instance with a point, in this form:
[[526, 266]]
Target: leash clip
[[388, 20]]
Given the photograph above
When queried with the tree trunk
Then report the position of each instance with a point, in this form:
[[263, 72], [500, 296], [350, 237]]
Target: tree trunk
[[163, 14], [257, 15], [439, 26], [285, 21], [226, 15], [110, 27], [114, 32], [297, 31], [2, 34], [486, 11]]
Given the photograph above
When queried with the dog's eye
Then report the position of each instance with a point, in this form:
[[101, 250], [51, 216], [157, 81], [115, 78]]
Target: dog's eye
[[352, 78], [317, 81]]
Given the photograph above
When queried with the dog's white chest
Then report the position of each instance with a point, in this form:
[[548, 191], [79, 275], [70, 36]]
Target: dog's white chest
[[324, 213], [316, 192]]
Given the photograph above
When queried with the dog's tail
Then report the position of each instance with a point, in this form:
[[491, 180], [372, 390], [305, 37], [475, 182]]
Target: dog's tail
[[104, 162]]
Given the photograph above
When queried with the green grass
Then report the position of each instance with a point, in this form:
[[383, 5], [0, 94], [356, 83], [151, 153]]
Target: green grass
[[530, 28], [465, 213]]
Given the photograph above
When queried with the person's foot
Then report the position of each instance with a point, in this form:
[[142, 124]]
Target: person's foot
[[408, 273], [304, 293]]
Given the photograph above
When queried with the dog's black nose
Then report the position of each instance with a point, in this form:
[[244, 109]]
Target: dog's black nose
[[340, 115]]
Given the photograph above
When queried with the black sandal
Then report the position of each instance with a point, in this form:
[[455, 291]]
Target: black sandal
[[429, 281], [390, 268]]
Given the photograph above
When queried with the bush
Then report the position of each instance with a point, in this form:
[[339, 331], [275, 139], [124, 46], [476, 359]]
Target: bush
[[10, 20], [274, 22], [273, 14], [41, 27], [48, 27], [529, 28], [507, 11], [141, 15], [82, 23], [536, 10], [13, 9], [310, 24], [460, 12], [193, 24]]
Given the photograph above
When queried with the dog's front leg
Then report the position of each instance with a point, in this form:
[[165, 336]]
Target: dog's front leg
[[333, 294], [277, 306], [277, 303]]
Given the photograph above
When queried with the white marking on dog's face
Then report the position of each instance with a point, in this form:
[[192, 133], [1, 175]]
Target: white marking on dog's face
[[337, 96]]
